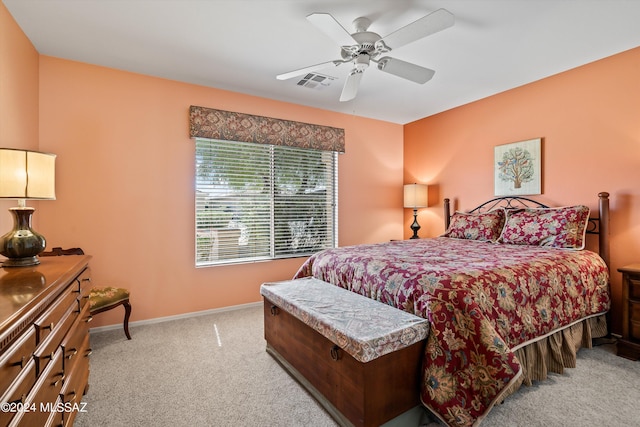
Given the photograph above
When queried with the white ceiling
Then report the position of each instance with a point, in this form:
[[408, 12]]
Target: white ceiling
[[241, 45]]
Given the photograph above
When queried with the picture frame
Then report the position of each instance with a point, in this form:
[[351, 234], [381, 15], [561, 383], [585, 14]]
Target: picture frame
[[517, 168]]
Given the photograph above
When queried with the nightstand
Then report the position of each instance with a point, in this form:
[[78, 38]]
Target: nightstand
[[629, 344]]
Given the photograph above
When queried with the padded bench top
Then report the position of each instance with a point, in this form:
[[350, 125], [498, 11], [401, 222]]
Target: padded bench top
[[364, 328]]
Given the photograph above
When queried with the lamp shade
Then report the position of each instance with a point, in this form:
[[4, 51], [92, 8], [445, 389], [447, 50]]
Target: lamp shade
[[416, 196], [27, 174]]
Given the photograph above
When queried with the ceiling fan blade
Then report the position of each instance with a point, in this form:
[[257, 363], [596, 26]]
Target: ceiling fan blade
[[404, 69], [427, 25], [332, 28], [350, 89], [309, 69]]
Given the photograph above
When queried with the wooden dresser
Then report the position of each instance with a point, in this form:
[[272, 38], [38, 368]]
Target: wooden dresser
[[44, 341], [629, 344]]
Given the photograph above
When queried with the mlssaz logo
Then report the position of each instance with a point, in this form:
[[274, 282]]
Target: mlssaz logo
[[63, 407]]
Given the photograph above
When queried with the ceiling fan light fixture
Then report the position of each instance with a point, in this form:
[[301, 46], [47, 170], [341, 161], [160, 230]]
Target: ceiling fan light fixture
[[361, 62]]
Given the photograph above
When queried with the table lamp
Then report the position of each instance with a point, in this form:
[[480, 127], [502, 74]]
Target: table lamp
[[415, 196], [24, 174]]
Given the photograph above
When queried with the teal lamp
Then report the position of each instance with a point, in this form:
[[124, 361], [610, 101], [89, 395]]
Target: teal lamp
[[24, 175]]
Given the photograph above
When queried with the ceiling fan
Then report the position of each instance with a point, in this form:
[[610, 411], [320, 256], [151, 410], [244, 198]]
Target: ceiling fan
[[370, 47]]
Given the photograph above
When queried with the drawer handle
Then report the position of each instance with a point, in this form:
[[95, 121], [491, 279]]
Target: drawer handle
[[19, 363], [73, 353], [335, 353], [49, 326], [89, 319], [86, 279], [274, 310], [55, 383], [22, 399], [89, 351]]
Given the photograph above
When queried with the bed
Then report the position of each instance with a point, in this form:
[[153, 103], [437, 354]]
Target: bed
[[509, 290]]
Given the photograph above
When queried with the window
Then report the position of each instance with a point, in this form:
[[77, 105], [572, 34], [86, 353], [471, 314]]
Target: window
[[259, 201]]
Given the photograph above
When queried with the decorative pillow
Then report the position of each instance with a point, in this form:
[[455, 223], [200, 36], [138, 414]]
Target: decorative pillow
[[484, 226], [554, 227]]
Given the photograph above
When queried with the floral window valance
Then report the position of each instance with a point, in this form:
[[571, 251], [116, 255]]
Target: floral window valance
[[230, 126]]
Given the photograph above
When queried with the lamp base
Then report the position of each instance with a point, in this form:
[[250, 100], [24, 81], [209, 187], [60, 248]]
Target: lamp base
[[21, 262], [21, 245], [415, 226]]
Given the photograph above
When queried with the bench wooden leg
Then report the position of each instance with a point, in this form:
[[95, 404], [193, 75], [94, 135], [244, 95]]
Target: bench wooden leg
[[127, 313]]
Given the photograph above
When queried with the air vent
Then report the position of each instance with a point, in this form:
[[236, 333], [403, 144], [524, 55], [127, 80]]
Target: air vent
[[316, 81]]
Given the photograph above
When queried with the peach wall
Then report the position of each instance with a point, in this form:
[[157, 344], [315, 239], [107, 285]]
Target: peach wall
[[588, 119], [126, 184], [18, 98]]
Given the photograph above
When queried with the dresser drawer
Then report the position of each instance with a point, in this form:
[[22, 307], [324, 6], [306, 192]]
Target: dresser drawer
[[17, 393], [75, 385], [16, 358], [84, 283], [50, 318], [42, 398], [634, 330], [45, 351], [634, 288], [76, 380], [49, 419], [634, 311], [56, 419], [73, 342]]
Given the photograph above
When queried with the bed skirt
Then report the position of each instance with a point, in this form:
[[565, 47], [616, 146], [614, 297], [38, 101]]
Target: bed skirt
[[556, 351]]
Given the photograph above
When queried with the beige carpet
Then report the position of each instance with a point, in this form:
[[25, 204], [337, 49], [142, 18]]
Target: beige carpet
[[213, 370]]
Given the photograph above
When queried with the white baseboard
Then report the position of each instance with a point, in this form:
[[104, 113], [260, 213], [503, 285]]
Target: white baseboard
[[176, 317]]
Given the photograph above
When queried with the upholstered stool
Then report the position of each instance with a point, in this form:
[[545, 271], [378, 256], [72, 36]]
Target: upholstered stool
[[101, 299]]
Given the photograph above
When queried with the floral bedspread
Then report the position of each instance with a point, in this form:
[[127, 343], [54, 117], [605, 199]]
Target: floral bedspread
[[483, 301]]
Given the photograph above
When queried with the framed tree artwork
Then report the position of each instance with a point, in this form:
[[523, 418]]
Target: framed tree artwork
[[517, 168]]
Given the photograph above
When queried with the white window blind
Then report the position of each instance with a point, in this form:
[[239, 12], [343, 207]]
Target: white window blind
[[259, 201]]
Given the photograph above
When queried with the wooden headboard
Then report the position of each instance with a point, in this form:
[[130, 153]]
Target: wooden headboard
[[598, 225]]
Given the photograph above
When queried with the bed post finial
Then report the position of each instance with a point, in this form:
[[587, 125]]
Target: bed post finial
[[603, 232], [447, 213]]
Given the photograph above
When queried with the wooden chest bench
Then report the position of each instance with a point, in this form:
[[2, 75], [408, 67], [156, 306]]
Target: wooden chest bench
[[359, 358]]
